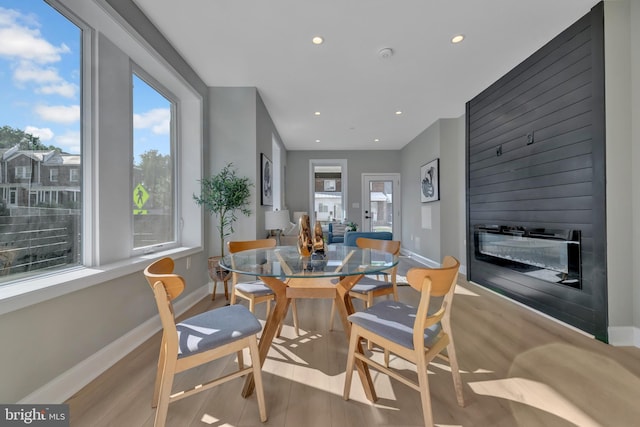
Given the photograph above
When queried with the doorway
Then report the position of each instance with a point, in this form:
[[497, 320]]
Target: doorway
[[381, 203]]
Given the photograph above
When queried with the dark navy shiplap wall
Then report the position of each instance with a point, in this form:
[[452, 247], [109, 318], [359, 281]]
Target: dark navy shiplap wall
[[555, 98]]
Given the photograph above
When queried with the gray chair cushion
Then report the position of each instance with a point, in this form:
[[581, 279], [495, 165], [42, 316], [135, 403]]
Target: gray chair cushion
[[369, 284], [257, 288], [215, 328], [394, 321]]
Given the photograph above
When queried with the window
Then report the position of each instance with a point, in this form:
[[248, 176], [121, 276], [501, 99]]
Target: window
[[39, 119], [23, 172], [153, 170], [74, 175], [328, 183], [53, 175]]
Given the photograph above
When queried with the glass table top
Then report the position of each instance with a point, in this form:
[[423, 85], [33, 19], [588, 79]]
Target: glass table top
[[286, 262]]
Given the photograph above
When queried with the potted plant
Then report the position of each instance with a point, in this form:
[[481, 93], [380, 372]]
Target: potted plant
[[224, 195]]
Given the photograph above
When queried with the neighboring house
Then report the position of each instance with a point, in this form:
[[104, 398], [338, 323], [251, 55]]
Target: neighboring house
[[39, 177]]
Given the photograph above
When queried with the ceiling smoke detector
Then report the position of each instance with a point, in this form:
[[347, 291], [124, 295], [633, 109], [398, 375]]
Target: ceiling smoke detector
[[385, 52]]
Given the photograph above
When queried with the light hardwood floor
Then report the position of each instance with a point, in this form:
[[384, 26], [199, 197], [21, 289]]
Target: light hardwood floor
[[518, 369]]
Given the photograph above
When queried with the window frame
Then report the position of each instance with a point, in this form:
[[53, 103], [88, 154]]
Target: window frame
[[104, 258], [143, 75]]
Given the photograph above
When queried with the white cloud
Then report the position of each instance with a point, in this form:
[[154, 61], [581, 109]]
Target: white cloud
[[18, 41], [68, 90], [45, 134], [49, 79], [158, 120], [59, 113], [69, 142], [27, 71]]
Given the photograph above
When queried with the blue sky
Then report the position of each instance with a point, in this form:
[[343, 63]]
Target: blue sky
[[40, 80]]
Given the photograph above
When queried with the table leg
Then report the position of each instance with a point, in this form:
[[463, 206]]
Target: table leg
[[345, 308], [271, 327]]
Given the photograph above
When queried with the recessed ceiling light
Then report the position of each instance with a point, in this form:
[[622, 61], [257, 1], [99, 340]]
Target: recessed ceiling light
[[317, 140], [457, 38], [317, 113], [317, 40], [398, 112], [376, 140]]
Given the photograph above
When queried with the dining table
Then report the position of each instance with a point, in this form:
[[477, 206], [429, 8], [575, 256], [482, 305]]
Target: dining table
[[329, 273]]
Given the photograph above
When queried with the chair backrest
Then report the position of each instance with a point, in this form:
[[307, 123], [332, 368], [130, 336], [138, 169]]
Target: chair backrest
[[442, 279], [437, 282], [237, 246], [389, 246], [244, 245], [166, 287], [162, 271]]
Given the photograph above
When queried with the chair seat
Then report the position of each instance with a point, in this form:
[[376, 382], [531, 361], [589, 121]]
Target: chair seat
[[394, 321], [215, 328], [257, 288], [368, 284]]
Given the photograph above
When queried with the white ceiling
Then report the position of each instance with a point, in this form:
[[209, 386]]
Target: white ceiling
[[267, 44]]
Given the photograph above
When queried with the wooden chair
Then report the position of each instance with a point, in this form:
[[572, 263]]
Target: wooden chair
[[218, 274], [255, 291], [198, 340], [415, 334], [369, 288]]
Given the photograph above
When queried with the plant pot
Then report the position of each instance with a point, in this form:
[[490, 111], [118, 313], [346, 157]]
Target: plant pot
[[218, 274]]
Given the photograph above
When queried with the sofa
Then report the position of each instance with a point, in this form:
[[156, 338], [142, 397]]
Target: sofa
[[350, 237], [335, 233]]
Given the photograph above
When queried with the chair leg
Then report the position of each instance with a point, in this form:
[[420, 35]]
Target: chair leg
[[294, 313], [166, 383], [257, 377], [161, 362], [386, 358], [455, 372], [368, 304], [226, 289], [332, 316], [351, 358], [240, 356], [423, 382]]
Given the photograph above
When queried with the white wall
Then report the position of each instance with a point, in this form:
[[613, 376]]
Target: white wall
[[622, 88]]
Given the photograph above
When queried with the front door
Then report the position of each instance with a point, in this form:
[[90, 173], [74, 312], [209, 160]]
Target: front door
[[381, 203]]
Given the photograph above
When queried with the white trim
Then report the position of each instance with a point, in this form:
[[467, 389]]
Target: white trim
[[624, 336], [70, 382], [23, 293]]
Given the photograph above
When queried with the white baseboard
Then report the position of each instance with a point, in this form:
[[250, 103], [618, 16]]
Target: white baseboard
[[70, 382], [624, 336]]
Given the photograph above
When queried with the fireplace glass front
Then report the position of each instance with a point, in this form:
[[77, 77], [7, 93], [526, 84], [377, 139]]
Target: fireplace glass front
[[549, 255]]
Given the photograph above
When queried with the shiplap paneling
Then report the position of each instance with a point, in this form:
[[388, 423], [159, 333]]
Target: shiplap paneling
[[556, 97]]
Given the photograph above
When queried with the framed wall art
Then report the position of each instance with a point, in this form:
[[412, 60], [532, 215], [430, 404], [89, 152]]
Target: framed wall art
[[266, 183], [430, 181]]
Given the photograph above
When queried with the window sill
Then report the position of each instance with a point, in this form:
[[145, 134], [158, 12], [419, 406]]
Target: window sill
[[21, 294]]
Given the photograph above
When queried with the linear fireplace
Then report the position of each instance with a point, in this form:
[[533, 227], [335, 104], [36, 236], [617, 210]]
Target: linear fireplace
[[549, 255]]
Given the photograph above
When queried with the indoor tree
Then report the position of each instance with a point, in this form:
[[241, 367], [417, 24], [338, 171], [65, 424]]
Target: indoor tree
[[224, 195]]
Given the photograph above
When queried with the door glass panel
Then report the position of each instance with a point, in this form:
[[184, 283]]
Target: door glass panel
[[380, 205]]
